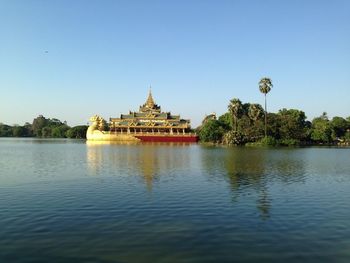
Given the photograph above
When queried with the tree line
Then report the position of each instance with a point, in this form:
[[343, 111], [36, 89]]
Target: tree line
[[250, 123], [242, 124], [44, 128]]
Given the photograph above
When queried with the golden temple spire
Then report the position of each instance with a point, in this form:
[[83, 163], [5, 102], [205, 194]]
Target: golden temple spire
[[150, 105], [150, 102]]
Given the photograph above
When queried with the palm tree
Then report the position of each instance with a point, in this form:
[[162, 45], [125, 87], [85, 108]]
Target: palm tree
[[265, 85], [235, 109], [255, 111]]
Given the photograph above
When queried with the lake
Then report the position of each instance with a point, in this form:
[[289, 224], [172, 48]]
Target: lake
[[72, 201]]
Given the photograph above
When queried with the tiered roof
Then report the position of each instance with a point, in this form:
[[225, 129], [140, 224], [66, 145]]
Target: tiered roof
[[150, 115], [150, 105]]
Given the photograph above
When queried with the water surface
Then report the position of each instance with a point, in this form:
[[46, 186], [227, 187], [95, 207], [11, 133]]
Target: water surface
[[69, 201]]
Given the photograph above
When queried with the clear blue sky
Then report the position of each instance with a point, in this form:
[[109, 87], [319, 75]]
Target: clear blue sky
[[73, 59]]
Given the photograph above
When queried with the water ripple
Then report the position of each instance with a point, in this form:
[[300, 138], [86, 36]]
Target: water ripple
[[65, 201]]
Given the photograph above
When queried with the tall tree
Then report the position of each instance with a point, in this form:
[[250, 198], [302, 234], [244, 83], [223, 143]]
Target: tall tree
[[235, 109], [265, 85]]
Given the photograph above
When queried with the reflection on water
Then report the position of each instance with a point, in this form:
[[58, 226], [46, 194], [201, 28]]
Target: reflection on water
[[147, 160], [71, 201], [252, 169]]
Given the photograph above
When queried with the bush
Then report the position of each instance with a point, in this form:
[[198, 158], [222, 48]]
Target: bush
[[233, 138], [77, 132], [211, 131], [289, 142], [268, 141], [59, 132]]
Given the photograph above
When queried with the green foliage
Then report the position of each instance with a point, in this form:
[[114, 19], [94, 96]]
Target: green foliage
[[292, 124], [233, 138], [288, 127], [255, 112], [5, 130], [55, 122], [211, 131], [29, 129], [43, 127], [46, 132], [38, 124], [321, 129], [244, 123], [246, 118], [289, 142], [19, 131], [235, 109], [268, 141], [340, 126], [77, 132], [59, 131], [211, 116], [15, 131], [225, 121], [252, 130], [265, 142], [273, 125], [49, 128], [265, 85]]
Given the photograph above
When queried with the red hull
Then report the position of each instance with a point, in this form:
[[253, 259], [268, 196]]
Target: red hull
[[155, 138]]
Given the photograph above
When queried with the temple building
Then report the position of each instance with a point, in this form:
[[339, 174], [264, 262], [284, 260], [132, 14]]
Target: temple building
[[148, 124], [149, 119]]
